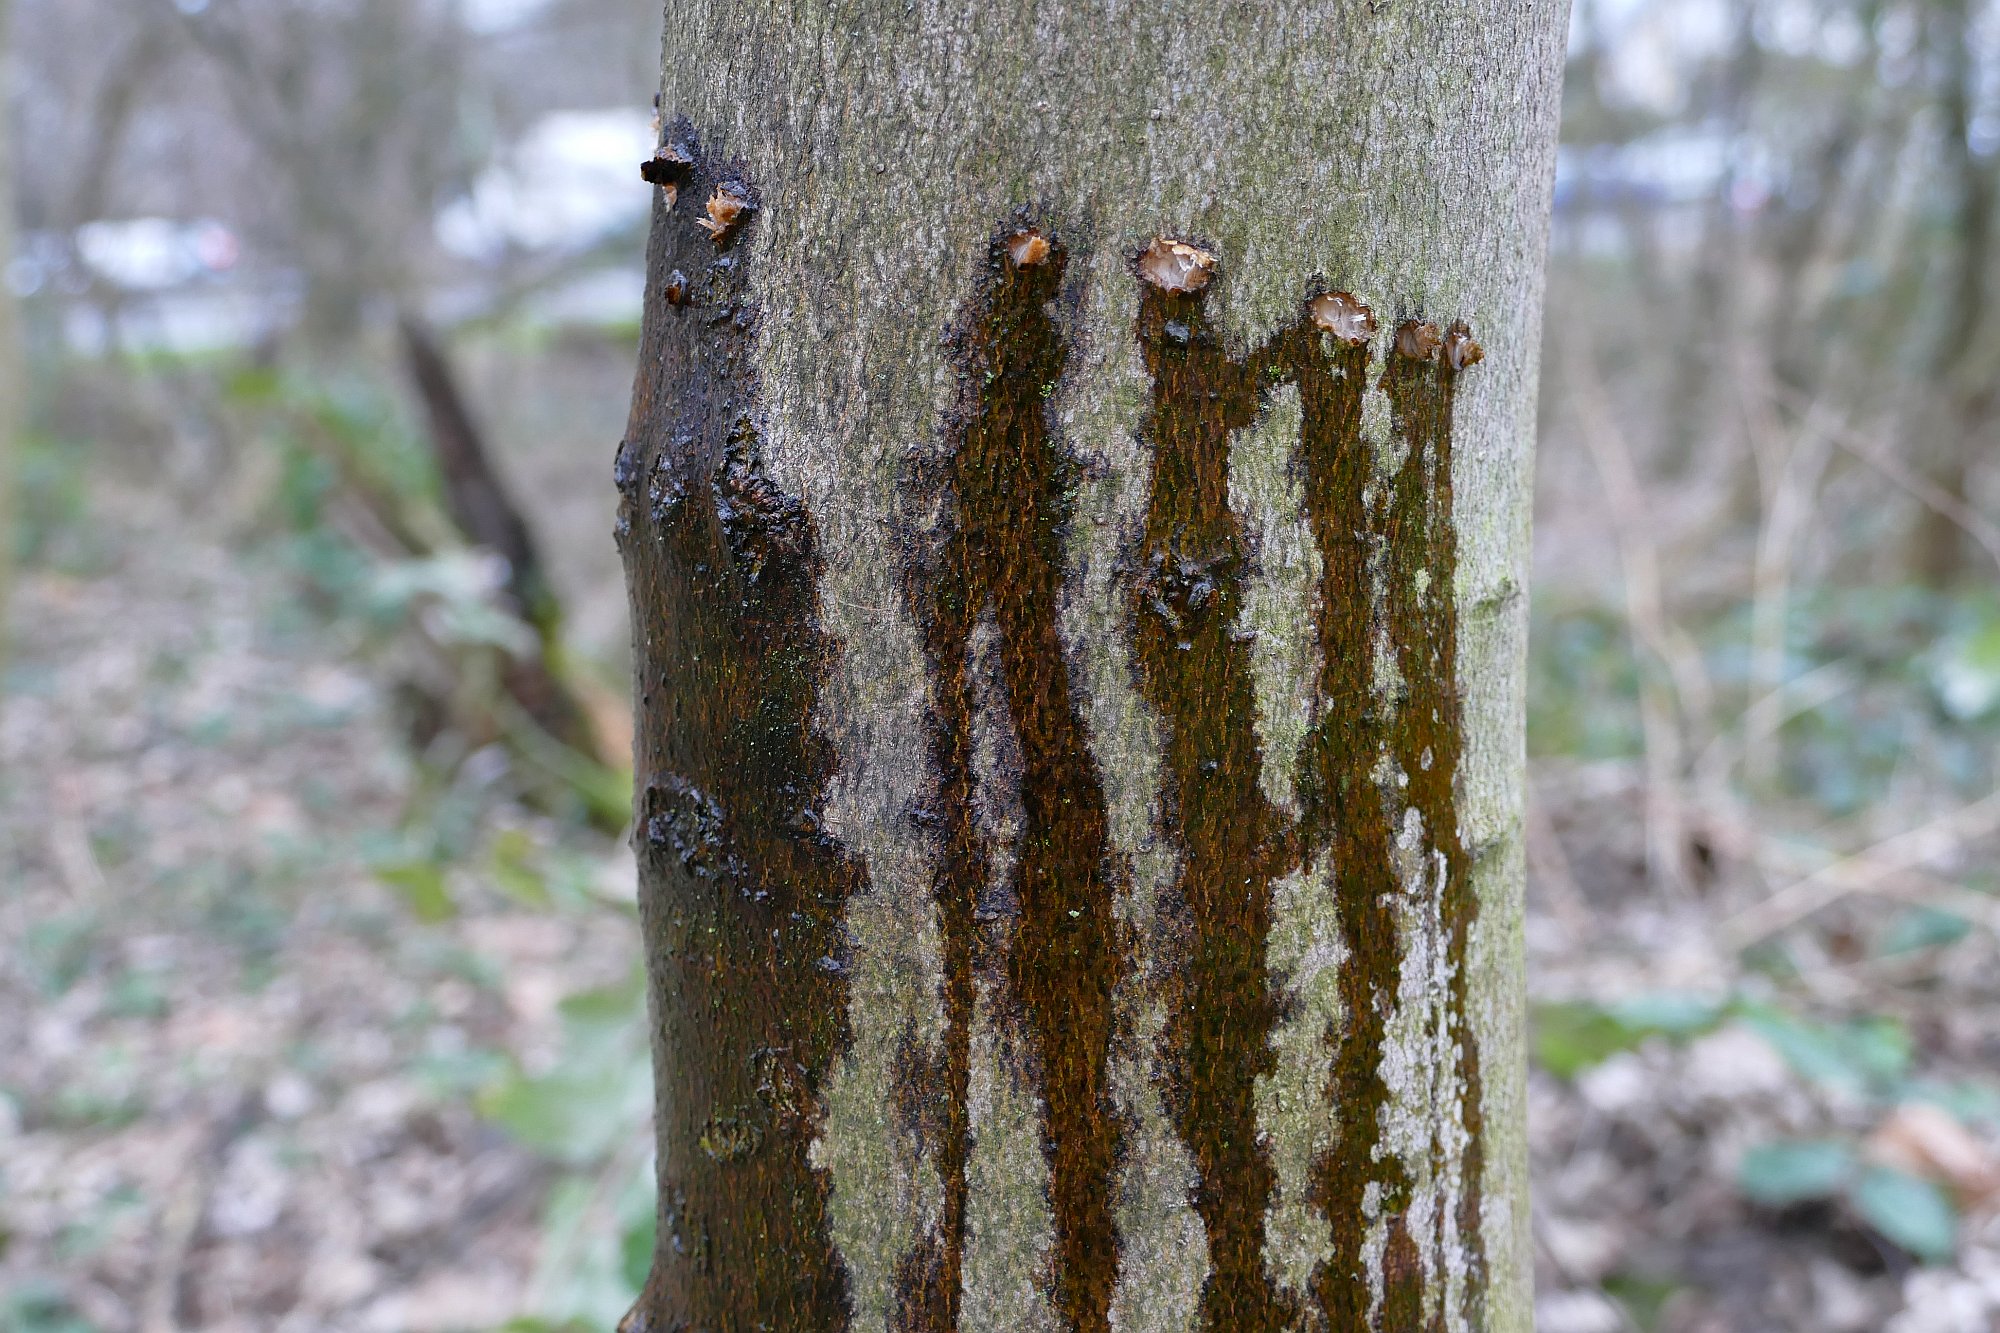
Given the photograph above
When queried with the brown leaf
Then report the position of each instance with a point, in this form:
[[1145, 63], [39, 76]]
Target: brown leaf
[[1929, 1141]]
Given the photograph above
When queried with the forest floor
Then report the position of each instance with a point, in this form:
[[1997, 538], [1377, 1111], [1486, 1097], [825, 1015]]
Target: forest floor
[[268, 1064], [241, 1074]]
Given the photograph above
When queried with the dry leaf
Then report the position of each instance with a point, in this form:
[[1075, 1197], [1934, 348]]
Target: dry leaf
[[1928, 1141]]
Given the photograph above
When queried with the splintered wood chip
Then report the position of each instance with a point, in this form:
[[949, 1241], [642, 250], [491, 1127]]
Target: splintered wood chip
[[725, 210], [1460, 351], [1419, 340], [1027, 248], [1343, 316], [1175, 266]]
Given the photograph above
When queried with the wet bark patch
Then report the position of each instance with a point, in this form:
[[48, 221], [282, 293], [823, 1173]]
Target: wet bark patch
[[1372, 755], [1033, 921], [741, 891], [1194, 669], [1420, 544], [1388, 547], [1345, 819], [744, 894]]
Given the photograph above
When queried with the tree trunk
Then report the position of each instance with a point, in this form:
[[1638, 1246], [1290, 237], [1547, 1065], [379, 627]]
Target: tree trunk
[[1962, 364], [1079, 657], [13, 382], [478, 501]]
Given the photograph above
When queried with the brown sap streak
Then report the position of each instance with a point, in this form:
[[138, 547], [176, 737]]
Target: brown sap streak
[[1422, 539], [1345, 819], [1195, 671], [739, 885], [1410, 529], [1050, 935]]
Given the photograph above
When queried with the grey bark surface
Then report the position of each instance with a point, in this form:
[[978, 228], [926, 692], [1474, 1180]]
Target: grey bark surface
[[1403, 152]]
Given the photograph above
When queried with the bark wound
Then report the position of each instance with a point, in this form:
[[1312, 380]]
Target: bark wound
[[1195, 670], [1043, 936], [742, 892]]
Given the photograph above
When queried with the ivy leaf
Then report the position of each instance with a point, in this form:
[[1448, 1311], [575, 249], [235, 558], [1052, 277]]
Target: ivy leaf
[[1908, 1210], [1868, 1055], [635, 1248], [1924, 928], [1966, 673], [514, 870], [1669, 1013], [421, 886], [600, 1088], [1574, 1035], [1779, 1175]]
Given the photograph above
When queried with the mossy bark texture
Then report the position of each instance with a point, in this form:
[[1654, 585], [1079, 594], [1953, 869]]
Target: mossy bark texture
[[1079, 679]]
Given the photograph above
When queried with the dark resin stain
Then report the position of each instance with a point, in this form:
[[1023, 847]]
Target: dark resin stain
[[1044, 940], [1195, 670], [741, 891]]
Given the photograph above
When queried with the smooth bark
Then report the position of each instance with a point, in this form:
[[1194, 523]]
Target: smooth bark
[[1079, 750]]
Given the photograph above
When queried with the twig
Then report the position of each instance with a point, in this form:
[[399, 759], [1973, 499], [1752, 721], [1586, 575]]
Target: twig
[[1862, 871], [1645, 605], [1789, 476], [180, 1220], [1552, 868], [81, 873], [1574, 1280], [1811, 691], [1920, 488]]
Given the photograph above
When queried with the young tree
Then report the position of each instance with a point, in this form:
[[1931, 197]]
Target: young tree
[[1076, 550], [13, 384]]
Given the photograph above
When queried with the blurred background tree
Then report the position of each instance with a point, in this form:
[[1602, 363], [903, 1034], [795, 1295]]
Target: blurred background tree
[[12, 386], [315, 959]]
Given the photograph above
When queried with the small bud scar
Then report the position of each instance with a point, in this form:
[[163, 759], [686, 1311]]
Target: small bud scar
[[1460, 351], [667, 167], [725, 212]]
